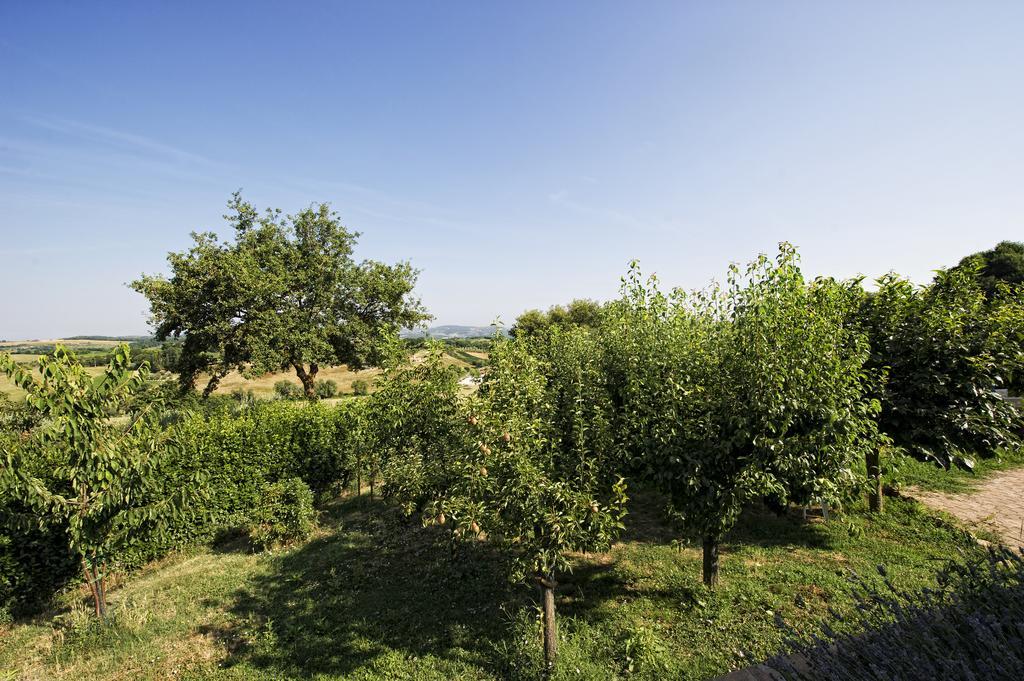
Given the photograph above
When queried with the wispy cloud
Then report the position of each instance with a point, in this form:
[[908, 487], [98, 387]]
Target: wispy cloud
[[118, 138], [563, 199]]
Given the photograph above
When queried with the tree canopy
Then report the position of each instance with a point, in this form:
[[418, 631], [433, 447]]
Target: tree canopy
[[1004, 263], [286, 293], [738, 392], [580, 312]]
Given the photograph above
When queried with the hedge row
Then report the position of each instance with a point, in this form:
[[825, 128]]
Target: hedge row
[[237, 455]]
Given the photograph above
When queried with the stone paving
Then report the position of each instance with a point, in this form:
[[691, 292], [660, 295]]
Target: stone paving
[[996, 505]]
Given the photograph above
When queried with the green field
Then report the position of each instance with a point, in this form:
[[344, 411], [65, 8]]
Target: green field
[[373, 596]]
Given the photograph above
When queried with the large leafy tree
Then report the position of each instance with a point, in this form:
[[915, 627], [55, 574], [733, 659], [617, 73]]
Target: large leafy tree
[[285, 294], [104, 452], [1002, 264], [943, 349], [580, 312]]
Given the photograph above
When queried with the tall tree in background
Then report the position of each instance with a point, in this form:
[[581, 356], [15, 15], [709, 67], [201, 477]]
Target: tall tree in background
[[285, 294], [580, 312], [1004, 263], [943, 349]]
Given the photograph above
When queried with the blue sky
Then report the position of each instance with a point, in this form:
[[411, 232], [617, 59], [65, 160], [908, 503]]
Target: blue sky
[[519, 154]]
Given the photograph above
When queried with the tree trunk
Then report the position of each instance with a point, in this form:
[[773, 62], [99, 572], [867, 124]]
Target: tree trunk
[[710, 562], [547, 589], [308, 378], [101, 580], [874, 463], [90, 581]]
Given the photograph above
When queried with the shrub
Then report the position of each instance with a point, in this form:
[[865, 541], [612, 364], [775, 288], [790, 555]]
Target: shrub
[[243, 396], [284, 513], [34, 563], [325, 389], [969, 628], [287, 390], [360, 387], [263, 444]]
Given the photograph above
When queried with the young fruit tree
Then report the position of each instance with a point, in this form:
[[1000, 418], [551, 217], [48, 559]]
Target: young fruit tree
[[539, 480], [732, 394], [286, 294], [105, 452], [417, 425]]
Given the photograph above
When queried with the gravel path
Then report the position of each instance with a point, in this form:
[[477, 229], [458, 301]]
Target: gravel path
[[997, 505]]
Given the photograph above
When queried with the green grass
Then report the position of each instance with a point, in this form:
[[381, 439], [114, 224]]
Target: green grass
[[929, 476], [373, 597]]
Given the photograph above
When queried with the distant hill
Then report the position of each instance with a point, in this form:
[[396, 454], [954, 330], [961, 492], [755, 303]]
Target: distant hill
[[110, 338], [451, 331]]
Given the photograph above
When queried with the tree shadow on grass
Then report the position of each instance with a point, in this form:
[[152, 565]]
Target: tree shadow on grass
[[595, 580], [759, 526], [649, 522], [382, 586]]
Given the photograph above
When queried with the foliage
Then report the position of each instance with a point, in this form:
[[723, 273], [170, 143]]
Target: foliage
[[105, 481], [16, 418], [34, 561], [943, 349], [360, 387], [539, 481], [967, 628], [1003, 264], [727, 395], [326, 389], [241, 453], [284, 513], [243, 396], [417, 428], [579, 312], [287, 390], [285, 294]]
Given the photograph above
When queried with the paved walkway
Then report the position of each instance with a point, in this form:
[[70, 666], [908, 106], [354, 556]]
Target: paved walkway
[[997, 505]]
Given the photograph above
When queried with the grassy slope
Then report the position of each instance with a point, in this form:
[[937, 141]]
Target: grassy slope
[[262, 386], [372, 597], [932, 477]]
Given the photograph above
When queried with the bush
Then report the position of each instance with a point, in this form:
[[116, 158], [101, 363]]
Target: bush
[[287, 390], [34, 563], [240, 452], [325, 389], [969, 628], [266, 443], [242, 395], [360, 387], [284, 514]]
